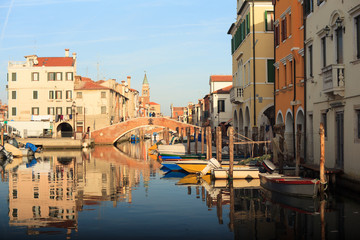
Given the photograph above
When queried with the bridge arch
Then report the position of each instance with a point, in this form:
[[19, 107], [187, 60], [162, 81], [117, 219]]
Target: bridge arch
[[109, 135]]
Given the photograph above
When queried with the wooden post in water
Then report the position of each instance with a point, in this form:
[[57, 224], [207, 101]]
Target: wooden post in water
[[166, 135], [218, 144], [188, 140], [255, 136], [196, 140], [182, 135], [2, 136], [322, 219], [202, 140], [298, 145], [219, 207], [210, 142], [207, 143], [322, 158], [231, 151]]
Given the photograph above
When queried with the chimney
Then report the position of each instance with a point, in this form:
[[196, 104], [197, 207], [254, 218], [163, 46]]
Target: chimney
[[128, 81], [66, 52], [74, 55]]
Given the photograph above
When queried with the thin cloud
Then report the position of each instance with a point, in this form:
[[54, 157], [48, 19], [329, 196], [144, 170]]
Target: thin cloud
[[29, 3], [6, 21]]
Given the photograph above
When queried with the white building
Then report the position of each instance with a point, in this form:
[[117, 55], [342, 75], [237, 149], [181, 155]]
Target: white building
[[220, 105], [332, 51], [43, 86]]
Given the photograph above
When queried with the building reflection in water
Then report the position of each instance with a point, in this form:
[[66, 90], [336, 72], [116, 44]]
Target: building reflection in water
[[255, 213], [46, 194]]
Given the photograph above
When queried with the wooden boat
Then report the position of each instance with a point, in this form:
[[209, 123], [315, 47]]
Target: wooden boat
[[245, 172], [171, 166], [196, 166], [193, 179], [290, 185]]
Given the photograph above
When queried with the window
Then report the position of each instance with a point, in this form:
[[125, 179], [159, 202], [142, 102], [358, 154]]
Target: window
[[79, 95], [68, 94], [320, 2], [50, 111], [269, 21], [103, 109], [69, 76], [79, 110], [277, 35], [51, 95], [13, 111], [68, 110], [285, 73], [309, 6], [58, 76], [103, 94], [278, 78], [339, 45], [358, 123], [221, 106], [324, 121], [51, 76], [357, 36], [13, 94], [283, 29], [58, 94], [289, 24], [13, 76], [35, 94], [270, 71], [35, 76], [310, 61], [291, 71], [35, 111], [323, 51], [59, 110]]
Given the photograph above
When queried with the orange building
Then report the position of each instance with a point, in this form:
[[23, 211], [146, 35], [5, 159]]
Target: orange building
[[289, 65]]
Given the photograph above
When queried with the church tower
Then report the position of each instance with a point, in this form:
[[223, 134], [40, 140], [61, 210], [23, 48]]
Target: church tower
[[145, 98]]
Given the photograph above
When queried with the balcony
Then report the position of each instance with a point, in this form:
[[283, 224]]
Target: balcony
[[334, 79], [237, 95]]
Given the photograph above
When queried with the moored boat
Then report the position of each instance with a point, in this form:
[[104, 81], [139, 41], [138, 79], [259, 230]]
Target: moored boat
[[246, 172], [291, 185]]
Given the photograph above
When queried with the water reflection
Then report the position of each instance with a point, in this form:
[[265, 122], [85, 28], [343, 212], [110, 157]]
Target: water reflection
[[55, 193], [49, 191]]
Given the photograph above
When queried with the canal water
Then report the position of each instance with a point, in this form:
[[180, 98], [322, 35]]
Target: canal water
[[108, 194]]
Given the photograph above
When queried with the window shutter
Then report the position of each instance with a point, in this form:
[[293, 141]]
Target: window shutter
[[248, 23], [266, 27], [271, 70]]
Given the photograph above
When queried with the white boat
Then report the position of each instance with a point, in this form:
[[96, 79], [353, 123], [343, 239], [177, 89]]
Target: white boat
[[243, 172]]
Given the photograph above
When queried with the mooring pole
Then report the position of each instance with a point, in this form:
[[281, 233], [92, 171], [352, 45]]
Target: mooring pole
[[188, 140], [231, 151], [210, 142], [322, 158], [202, 140], [207, 143], [218, 144], [196, 140]]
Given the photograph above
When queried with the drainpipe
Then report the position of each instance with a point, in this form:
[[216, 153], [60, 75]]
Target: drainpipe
[[254, 81], [305, 83], [293, 107], [274, 73]]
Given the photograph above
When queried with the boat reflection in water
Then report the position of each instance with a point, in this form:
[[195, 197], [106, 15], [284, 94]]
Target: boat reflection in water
[[255, 212]]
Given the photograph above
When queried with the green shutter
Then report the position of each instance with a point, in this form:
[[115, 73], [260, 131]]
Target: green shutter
[[271, 70], [232, 46], [266, 21]]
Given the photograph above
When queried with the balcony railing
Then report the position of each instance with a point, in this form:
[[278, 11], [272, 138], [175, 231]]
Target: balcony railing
[[237, 95], [334, 79]]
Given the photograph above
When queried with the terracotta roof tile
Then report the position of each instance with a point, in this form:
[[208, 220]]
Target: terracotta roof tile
[[55, 62], [220, 78], [224, 90], [153, 103]]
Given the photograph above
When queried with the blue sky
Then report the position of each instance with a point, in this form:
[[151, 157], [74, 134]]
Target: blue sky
[[178, 43]]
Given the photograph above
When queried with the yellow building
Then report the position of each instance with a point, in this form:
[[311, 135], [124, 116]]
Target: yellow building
[[252, 48]]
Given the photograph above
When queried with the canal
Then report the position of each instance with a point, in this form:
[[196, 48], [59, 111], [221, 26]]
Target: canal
[[106, 193]]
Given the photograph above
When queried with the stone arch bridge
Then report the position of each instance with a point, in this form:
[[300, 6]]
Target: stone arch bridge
[[109, 135]]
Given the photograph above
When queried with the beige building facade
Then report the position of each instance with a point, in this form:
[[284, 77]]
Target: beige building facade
[[42, 87], [332, 50], [252, 93]]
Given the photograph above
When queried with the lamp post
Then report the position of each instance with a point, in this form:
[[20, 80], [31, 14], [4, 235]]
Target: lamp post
[[73, 113]]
